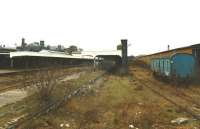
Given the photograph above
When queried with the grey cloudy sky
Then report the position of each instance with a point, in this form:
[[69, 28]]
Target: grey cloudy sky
[[149, 25]]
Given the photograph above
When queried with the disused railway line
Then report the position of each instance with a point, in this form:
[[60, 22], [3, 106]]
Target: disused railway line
[[162, 95], [178, 92], [22, 83], [20, 72], [56, 104], [185, 109]]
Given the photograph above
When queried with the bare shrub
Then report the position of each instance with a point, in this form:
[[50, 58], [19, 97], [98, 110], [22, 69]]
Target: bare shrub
[[45, 83], [42, 83]]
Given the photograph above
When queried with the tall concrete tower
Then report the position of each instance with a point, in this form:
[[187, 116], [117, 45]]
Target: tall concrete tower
[[23, 43], [42, 44], [124, 56]]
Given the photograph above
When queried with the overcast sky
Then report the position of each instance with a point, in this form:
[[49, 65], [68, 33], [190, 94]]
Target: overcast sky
[[149, 25]]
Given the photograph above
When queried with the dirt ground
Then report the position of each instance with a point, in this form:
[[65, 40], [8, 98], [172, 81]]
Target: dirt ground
[[122, 102]]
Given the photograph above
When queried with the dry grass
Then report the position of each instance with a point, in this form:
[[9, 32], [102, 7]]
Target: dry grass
[[118, 103], [114, 106], [33, 103], [58, 94]]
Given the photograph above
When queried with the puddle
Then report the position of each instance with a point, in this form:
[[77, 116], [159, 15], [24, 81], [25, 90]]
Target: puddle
[[71, 77], [6, 71], [12, 96], [15, 95]]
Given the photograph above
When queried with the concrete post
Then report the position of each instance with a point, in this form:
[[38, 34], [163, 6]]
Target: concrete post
[[124, 56]]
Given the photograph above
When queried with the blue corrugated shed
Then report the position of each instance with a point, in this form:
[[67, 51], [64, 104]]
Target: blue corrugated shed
[[183, 65], [180, 65]]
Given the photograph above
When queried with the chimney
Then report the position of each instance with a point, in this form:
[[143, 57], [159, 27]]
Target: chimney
[[42, 43], [23, 43], [168, 47]]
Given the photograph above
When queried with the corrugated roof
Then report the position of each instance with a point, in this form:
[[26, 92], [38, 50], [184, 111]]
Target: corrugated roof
[[46, 54], [191, 46]]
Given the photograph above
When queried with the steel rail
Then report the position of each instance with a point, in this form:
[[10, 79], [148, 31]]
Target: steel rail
[[185, 109], [20, 81], [55, 105]]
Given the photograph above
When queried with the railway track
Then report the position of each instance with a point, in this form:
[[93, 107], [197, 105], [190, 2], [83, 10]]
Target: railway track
[[178, 91], [175, 91], [37, 69], [19, 83], [18, 86], [170, 95], [54, 105], [185, 109], [195, 92]]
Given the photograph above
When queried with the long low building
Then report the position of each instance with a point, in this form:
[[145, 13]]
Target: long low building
[[45, 53], [45, 58], [193, 49], [7, 50], [28, 59]]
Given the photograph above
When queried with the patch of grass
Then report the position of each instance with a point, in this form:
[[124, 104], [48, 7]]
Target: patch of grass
[[114, 105], [119, 105], [32, 103], [61, 90]]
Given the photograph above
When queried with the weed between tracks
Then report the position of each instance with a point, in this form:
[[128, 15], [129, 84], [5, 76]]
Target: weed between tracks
[[34, 101], [115, 105], [145, 73], [59, 92]]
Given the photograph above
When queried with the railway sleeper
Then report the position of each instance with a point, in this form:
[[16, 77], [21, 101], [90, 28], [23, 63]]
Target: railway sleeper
[[86, 88]]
